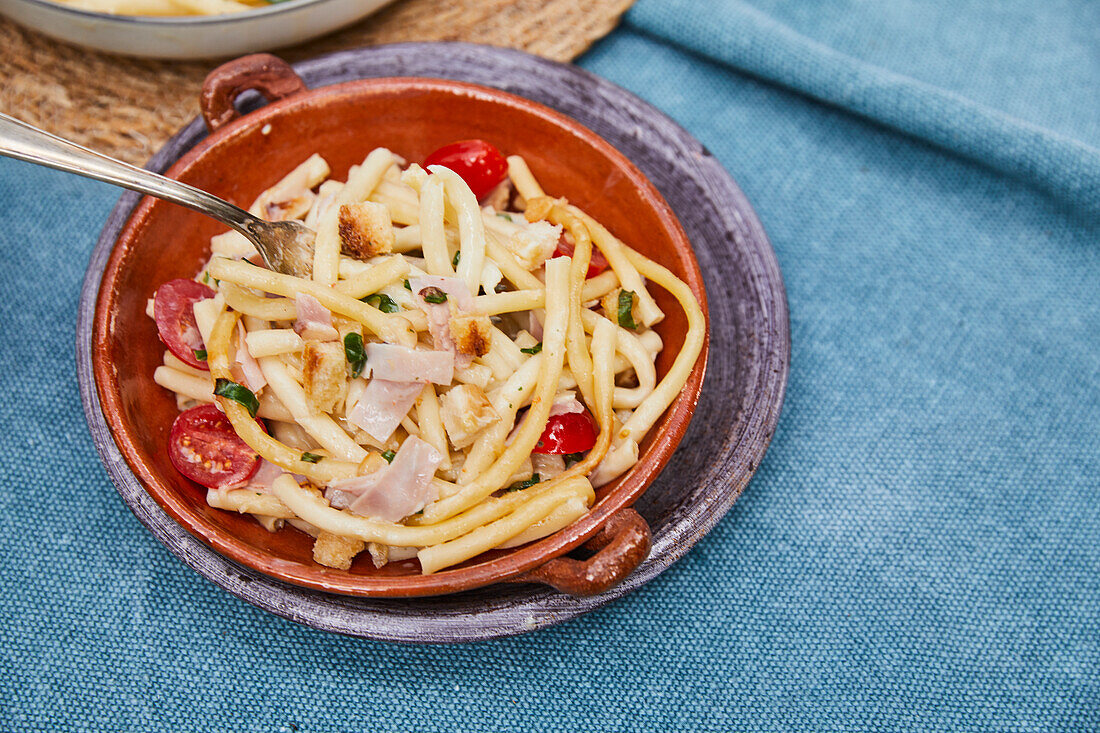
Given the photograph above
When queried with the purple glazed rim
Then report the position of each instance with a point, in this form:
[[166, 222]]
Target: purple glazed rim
[[741, 399]]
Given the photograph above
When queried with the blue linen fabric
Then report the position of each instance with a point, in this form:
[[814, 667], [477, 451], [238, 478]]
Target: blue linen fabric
[[920, 550]]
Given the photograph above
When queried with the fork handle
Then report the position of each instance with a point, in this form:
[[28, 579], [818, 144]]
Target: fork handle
[[26, 142]]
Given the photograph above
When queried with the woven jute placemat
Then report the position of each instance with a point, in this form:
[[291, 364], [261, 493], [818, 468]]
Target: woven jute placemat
[[128, 107]]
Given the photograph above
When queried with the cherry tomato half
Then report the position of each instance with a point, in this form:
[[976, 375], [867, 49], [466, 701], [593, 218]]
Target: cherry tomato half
[[478, 163], [172, 310], [571, 432], [597, 264], [203, 447]]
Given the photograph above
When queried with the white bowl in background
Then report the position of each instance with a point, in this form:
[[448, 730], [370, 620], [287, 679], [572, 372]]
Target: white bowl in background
[[190, 36]]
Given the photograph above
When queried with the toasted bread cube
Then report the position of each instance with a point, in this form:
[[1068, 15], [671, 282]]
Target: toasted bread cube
[[466, 411], [533, 243], [472, 334], [323, 370], [379, 554], [335, 551], [366, 230]]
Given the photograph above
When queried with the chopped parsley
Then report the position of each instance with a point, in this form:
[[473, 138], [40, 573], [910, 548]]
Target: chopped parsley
[[533, 349], [455, 259], [383, 302], [408, 286], [433, 295], [311, 457], [571, 458], [626, 306], [389, 455], [517, 486], [355, 353], [200, 354], [238, 393]]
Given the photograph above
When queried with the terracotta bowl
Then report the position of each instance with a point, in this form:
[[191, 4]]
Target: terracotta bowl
[[246, 154]]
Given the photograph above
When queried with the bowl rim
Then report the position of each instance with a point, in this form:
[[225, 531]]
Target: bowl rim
[[669, 430], [175, 20]]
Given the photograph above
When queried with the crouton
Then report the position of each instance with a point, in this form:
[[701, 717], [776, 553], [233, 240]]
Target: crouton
[[533, 243], [472, 334], [334, 551], [379, 554], [366, 230], [539, 208], [323, 370], [466, 411]]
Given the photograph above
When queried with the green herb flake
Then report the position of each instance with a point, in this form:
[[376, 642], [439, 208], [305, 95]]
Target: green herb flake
[[311, 457], [408, 286], [382, 302], [533, 349], [517, 486], [389, 455], [626, 306], [238, 393], [200, 354], [502, 215], [433, 295], [571, 458], [355, 353], [455, 259]]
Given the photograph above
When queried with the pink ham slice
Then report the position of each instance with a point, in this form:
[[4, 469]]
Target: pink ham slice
[[249, 368], [565, 403], [382, 406], [395, 491], [265, 475], [439, 314], [314, 320], [402, 364]]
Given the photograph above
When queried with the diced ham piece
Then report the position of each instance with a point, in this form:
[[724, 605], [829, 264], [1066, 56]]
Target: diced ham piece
[[402, 364], [534, 326], [314, 320], [265, 475], [249, 368], [439, 315], [395, 491], [457, 292], [382, 406], [565, 403], [547, 466]]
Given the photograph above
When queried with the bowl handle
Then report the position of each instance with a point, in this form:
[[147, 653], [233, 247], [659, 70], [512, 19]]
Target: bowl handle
[[269, 75], [621, 544]]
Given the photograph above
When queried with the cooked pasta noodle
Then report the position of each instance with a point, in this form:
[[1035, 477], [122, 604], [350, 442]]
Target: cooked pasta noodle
[[414, 384], [165, 7]]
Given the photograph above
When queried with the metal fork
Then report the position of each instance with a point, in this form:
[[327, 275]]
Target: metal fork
[[286, 246]]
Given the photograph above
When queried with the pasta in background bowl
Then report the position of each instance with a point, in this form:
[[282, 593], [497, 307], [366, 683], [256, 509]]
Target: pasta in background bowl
[[343, 124], [186, 29]]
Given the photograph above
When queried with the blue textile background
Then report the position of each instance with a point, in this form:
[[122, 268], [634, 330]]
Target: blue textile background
[[920, 549]]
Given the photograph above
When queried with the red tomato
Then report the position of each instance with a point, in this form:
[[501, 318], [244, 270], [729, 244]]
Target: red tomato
[[204, 448], [172, 310], [571, 432], [480, 164], [597, 264]]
